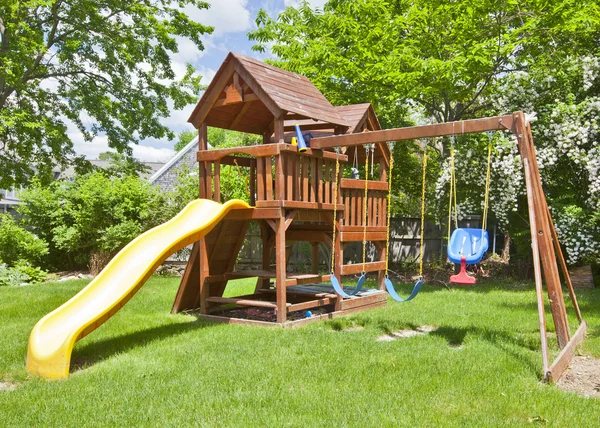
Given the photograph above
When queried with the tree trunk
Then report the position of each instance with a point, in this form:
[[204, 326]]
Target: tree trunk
[[506, 250], [98, 260]]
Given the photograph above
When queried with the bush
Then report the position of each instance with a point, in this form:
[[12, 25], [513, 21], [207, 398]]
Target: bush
[[92, 214], [20, 274], [17, 243]]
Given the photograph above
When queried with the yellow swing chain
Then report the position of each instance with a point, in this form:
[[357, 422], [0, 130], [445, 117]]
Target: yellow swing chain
[[424, 186], [389, 212], [364, 249], [335, 198], [487, 186], [452, 194]]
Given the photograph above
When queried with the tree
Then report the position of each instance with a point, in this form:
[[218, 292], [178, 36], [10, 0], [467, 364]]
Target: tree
[[440, 59], [18, 244], [184, 138], [88, 61], [121, 165]]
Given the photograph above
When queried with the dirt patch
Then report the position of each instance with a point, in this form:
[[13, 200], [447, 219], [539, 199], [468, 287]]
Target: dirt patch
[[7, 386], [402, 334], [354, 328], [582, 377]]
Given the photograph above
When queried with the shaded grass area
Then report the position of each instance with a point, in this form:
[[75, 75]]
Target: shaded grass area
[[147, 367]]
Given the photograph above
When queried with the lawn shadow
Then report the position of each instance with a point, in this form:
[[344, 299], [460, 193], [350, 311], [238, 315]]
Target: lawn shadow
[[455, 337], [95, 352]]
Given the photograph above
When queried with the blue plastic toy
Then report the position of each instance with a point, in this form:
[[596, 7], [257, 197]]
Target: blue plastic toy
[[466, 247]]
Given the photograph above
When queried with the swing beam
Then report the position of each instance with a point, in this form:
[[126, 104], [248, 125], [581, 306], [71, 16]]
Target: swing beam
[[545, 245]]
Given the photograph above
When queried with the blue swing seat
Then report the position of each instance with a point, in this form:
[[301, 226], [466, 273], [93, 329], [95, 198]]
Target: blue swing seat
[[468, 243]]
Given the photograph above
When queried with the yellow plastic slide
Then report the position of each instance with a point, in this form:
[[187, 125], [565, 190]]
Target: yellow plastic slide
[[53, 337]]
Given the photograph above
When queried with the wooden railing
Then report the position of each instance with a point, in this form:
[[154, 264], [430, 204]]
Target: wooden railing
[[353, 194], [277, 173], [306, 177]]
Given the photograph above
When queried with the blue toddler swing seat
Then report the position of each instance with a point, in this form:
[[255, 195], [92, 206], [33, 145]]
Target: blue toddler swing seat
[[466, 247]]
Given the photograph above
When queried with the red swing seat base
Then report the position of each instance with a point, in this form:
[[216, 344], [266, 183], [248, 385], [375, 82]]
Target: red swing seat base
[[462, 277]]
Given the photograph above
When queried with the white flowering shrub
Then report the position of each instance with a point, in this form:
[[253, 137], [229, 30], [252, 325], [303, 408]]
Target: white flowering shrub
[[470, 160], [567, 141]]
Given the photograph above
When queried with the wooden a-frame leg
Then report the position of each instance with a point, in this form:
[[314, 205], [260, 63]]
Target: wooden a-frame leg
[[280, 271]]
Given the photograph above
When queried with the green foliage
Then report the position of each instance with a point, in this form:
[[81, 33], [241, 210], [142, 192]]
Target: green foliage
[[183, 139], [21, 273], [16, 243], [440, 56], [11, 276], [94, 213], [121, 164], [225, 138], [105, 60]]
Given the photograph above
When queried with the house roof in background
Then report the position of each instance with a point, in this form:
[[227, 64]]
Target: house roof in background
[[173, 161]]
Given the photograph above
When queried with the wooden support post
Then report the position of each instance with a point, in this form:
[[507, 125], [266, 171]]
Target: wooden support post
[[204, 273], [263, 283], [543, 235], [381, 274], [536, 267], [202, 145], [280, 270]]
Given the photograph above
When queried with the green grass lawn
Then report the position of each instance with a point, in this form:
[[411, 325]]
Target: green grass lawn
[[147, 367]]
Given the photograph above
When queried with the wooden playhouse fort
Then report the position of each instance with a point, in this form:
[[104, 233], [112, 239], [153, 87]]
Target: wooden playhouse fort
[[303, 196]]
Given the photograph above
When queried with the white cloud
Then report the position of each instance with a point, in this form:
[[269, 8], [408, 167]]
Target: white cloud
[[313, 3], [227, 16], [152, 154]]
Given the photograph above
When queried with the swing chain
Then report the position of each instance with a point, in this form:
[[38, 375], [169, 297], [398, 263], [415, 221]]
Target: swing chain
[[364, 243], [335, 197]]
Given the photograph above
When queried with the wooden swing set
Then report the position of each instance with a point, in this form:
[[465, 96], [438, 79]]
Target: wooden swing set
[[303, 196]]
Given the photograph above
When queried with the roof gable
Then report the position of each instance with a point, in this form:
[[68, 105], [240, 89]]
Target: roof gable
[[246, 95]]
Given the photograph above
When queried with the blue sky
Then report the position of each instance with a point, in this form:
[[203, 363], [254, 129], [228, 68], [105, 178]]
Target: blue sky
[[232, 19]]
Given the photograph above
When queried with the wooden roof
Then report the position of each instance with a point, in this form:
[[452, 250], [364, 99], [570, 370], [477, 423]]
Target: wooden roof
[[246, 94]]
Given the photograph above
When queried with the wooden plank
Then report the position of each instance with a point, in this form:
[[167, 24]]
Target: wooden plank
[[327, 182], [305, 279], [217, 181], [260, 179], [358, 268], [543, 236], [253, 182], [311, 304], [299, 205], [280, 266], [268, 179], [319, 180], [358, 236], [313, 180], [265, 98], [262, 150], [235, 100], [563, 360], [305, 194], [360, 229], [211, 95], [370, 216], [415, 132], [242, 112], [243, 302], [295, 177], [204, 273], [312, 153], [289, 178], [208, 181], [536, 267], [187, 296], [364, 301]]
